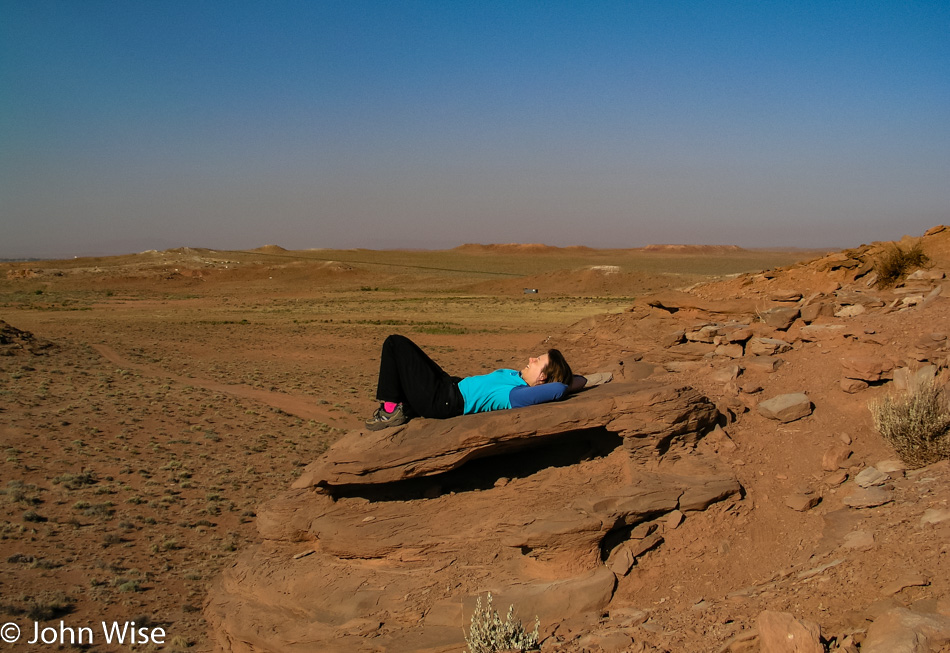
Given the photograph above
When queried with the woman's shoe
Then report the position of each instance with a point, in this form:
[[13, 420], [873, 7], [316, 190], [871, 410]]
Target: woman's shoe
[[381, 419]]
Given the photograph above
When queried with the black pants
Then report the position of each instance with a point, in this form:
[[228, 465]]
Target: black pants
[[408, 376]]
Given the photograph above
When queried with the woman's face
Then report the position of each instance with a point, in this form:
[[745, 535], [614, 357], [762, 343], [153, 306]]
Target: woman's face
[[532, 372]]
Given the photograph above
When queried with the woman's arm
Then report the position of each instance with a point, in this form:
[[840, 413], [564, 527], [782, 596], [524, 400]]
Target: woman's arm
[[527, 395]]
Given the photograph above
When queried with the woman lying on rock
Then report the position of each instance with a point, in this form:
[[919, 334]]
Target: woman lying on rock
[[412, 384]]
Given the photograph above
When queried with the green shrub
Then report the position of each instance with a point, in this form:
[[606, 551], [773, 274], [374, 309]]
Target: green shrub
[[916, 424], [488, 633], [894, 264]]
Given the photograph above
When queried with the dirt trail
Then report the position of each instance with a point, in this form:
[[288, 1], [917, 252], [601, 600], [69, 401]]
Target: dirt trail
[[303, 407]]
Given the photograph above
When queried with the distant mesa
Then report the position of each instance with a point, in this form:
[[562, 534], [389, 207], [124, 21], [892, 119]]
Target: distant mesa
[[516, 248], [269, 249], [692, 249]]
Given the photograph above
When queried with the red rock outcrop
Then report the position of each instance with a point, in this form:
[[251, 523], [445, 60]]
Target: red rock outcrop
[[387, 539]]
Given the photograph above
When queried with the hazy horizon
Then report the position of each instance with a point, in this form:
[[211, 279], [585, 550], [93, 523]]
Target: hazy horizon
[[420, 125], [404, 249]]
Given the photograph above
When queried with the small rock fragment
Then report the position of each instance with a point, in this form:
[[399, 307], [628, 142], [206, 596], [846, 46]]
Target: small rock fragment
[[746, 641], [720, 441], [621, 560], [767, 346], [812, 312], [835, 457], [859, 540], [852, 386], [682, 366], [904, 378], [867, 368], [836, 478], [931, 297], [900, 630], [850, 311], [609, 642], [628, 617], [731, 350], [674, 338], [786, 408], [640, 531], [780, 632], [871, 476], [935, 515], [763, 363], [780, 318], [786, 295], [891, 467], [706, 333], [911, 580], [815, 332], [868, 497], [639, 547], [802, 502], [725, 375], [739, 334]]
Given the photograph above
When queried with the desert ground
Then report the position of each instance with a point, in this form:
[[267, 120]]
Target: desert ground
[[151, 403]]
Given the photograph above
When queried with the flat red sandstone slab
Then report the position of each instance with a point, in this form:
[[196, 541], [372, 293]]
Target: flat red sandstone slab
[[647, 414]]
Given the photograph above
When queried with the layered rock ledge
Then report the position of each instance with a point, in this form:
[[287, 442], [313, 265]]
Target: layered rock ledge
[[384, 543], [649, 416]]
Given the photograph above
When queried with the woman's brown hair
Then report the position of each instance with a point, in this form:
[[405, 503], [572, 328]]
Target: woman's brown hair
[[557, 369]]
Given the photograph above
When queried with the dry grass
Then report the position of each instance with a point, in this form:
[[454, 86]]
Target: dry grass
[[894, 264], [916, 424]]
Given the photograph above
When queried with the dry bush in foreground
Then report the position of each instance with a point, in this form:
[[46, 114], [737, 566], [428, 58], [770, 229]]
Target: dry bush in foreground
[[488, 633], [894, 264], [916, 424]]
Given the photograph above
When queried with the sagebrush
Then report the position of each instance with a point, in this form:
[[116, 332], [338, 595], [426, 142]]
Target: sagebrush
[[894, 264], [917, 423], [488, 633]]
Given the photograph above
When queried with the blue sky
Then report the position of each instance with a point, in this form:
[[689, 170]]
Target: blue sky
[[131, 125]]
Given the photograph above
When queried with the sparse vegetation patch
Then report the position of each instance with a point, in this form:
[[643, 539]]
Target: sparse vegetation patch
[[488, 633], [896, 262], [916, 424]]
